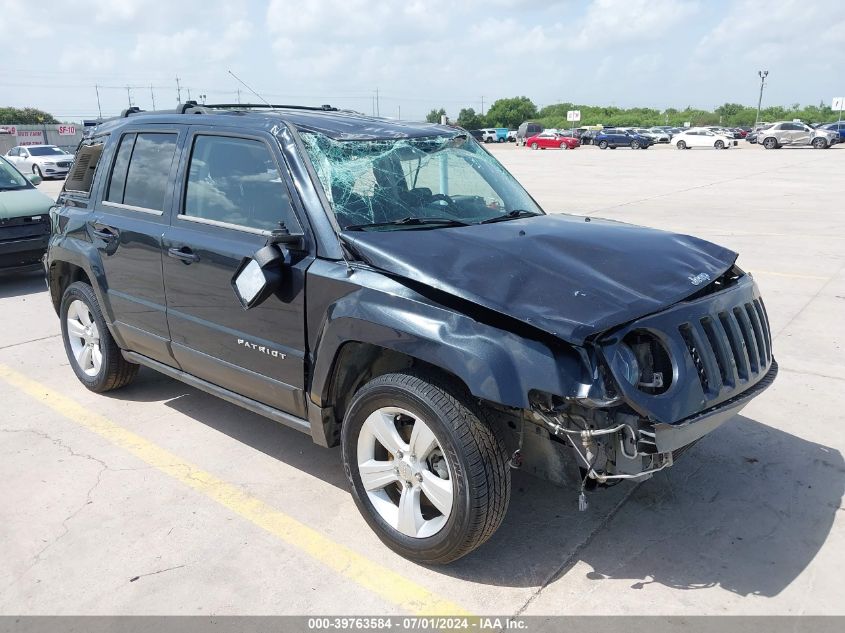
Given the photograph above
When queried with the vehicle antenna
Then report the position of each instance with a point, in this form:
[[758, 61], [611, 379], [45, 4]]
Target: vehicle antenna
[[248, 88]]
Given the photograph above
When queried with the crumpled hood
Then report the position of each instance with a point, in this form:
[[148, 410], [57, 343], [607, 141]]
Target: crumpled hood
[[21, 202], [565, 275]]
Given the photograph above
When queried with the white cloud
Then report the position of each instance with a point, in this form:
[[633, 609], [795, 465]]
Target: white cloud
[[424, 53], [611, 22]]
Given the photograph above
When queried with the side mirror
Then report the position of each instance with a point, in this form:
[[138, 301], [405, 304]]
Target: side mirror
[[35, 179], [259, 276]]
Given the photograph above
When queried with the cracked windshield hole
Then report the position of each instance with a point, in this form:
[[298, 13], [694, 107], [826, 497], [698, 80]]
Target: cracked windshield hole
[[397, 183]]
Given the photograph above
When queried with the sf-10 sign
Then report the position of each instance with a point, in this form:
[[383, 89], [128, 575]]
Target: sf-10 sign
[[66, 130], [573, 115]]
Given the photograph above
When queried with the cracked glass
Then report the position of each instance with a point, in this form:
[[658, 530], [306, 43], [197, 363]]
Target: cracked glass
[[396, 183]]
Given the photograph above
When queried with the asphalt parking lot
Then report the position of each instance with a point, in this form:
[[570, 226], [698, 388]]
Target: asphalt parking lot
[[159, 499]]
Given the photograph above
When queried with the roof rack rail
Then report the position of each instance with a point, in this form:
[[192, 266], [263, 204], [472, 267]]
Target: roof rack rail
[[128, 111], [247, 106]]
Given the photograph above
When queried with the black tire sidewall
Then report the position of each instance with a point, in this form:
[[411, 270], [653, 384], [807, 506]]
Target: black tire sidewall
[[85, 293], [458, 526]]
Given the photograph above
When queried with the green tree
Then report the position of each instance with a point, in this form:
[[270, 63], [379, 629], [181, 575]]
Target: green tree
[[25, 116], [469, 120], [434, 115], [511, 112]]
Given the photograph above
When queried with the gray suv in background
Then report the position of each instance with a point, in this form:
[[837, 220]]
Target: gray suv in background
[[794, 133]]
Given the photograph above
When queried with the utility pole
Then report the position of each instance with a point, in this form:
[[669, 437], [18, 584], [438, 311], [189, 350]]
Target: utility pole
[[153, 96], [99, 109], [763, 74], [189, 93], [129, 95], [178, 91], [239, 95], [378, 110], [482, 105], [399, 113]]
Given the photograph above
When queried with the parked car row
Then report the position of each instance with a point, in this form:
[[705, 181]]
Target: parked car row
[[770, 135]]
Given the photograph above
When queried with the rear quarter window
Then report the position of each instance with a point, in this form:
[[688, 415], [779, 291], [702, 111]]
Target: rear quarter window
[[85, 163]]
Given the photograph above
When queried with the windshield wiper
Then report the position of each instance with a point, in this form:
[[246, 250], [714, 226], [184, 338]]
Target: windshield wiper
[[510, 215], [409, 222]]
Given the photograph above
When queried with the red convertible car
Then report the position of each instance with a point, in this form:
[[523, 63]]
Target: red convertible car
[[552, 139]]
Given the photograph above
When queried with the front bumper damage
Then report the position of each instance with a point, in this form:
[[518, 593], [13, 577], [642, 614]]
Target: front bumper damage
[[698, 364], [636, 448]]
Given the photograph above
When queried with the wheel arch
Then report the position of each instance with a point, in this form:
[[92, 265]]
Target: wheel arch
[[490, 364]]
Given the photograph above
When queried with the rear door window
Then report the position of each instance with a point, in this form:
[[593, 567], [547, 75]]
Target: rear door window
[[142, 169]]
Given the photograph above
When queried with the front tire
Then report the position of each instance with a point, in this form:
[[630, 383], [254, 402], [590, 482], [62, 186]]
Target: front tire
[[535, 146], [770, 143], [603, 145], [37, 171], [428, 475], [719, 145], [635, 145], [564, 146], [94, 356], [819, 143]]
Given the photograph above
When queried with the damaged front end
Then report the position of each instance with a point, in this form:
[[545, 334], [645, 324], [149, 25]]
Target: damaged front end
[[662, 382]]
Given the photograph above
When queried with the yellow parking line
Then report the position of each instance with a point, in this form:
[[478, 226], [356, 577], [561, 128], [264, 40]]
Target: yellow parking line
[[790, 275], [387, 584]]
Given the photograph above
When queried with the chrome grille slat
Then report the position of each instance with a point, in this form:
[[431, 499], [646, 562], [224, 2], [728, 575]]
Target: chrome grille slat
[[736, 342], [718, 340], [758, 333], [767, 334], [748, 338]]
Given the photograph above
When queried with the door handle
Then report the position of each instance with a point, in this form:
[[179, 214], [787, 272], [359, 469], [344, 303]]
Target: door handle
[[105, 233], [183, 254]]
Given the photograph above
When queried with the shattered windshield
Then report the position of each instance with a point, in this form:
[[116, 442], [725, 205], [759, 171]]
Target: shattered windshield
[[393, 184]]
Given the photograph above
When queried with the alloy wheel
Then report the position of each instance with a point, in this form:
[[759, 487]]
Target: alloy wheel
[[405, 472], [84, 338]]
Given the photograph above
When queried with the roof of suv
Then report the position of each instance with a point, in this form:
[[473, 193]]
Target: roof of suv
[[336, 124]]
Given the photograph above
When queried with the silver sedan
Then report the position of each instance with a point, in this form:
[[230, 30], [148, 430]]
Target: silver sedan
[[48, 161]]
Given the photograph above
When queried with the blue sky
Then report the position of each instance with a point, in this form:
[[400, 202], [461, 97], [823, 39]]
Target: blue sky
[[420, 54]]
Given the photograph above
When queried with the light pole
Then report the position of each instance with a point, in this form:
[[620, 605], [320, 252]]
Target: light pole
[[763, 74]]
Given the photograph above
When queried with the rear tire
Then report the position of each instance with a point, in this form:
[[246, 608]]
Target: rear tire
[[535, 146], [470, 455], [94, 356]]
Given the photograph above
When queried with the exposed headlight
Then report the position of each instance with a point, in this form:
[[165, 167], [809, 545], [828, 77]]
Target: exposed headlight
[[47, 162], [644, 362], [630, 365]]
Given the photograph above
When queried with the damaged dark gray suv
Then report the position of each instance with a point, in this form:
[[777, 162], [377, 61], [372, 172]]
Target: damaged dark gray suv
[[390, 287]]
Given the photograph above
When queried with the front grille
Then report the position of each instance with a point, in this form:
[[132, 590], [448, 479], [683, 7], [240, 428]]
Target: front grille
[[64, 164], [729, 348], [15, 229]]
